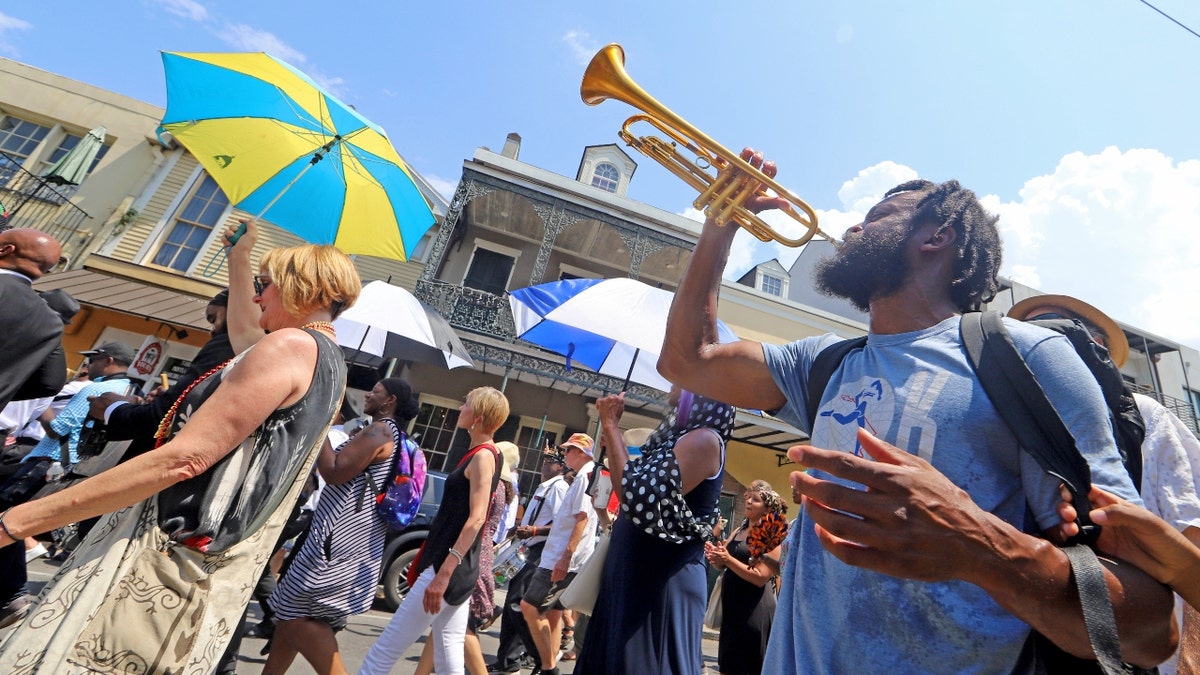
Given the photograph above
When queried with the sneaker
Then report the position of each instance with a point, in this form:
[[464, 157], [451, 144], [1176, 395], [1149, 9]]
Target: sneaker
[[15, 610], [35, 552], [499, 668]]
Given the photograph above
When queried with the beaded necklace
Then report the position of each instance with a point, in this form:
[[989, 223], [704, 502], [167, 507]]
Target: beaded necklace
[[164, 427]]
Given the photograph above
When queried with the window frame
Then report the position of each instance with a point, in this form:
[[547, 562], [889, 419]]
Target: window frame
[[171, 218], [599, 181], [762, 284]]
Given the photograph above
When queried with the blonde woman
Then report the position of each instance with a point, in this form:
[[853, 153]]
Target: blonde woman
[[162, 581], [448, 564]]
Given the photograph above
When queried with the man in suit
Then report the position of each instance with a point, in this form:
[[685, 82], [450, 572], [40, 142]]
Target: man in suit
[[34, 365]]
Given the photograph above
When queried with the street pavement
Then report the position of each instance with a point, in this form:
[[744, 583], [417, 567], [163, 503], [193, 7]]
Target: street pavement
[[358, 637]]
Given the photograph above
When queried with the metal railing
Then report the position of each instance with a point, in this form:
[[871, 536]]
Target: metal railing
[[31, 201], [1181, 408], [469, 309]]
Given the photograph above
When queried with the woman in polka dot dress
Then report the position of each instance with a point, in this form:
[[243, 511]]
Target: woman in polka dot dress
[[650, 608]]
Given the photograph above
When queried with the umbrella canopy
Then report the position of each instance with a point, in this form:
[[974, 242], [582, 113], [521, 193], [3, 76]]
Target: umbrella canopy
[[282, 147], [73, 167], [613, 326], [389, 322]]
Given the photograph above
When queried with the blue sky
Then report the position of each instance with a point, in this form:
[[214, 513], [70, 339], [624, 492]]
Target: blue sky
[[1075, 120]]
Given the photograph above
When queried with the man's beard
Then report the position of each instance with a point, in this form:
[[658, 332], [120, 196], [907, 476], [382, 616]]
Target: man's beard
[[871, 265]]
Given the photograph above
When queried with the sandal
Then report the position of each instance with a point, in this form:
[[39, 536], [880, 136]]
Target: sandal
[[568, 640]]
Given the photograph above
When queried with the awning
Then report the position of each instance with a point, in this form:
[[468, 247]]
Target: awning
[[119, 294]]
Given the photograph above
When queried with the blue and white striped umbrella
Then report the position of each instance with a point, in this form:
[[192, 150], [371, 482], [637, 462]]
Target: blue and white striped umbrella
[[612, 326]]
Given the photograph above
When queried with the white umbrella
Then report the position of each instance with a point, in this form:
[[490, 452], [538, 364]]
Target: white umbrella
[[613, 326], [389, 322]]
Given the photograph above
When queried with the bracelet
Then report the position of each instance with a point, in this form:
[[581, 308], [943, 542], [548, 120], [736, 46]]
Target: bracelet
[[4, 526], [454, 553]]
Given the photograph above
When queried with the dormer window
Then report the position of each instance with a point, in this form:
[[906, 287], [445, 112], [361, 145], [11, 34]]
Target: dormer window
[[606, 177], [771, 284]]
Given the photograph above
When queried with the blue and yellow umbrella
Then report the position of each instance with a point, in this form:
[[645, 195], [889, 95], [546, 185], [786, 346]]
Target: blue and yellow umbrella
[[285, 149]]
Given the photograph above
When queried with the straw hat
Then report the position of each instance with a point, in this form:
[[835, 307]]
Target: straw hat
[[636, 438], [1118, 344], [512, 459]]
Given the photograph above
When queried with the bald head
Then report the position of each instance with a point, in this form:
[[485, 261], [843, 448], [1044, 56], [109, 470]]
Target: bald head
[[28, 251]]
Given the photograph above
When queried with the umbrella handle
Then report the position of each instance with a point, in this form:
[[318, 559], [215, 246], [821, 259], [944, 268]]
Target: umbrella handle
[[219, 258]]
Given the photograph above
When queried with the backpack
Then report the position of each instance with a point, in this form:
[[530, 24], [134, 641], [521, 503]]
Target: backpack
[[400, 496], [1039, 429]]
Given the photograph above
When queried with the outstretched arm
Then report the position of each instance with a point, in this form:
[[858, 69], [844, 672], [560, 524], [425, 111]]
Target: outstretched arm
[[912, 522], [692, 355], [275, 375]]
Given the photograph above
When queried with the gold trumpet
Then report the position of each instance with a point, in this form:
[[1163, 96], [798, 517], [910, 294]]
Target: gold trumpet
[[723, 196]]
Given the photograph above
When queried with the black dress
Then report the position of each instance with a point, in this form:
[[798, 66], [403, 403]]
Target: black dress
[[650, 608], [747, 612]]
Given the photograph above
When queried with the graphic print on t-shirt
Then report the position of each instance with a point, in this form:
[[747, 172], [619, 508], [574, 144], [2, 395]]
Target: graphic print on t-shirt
[[866, 403], [870, 403]]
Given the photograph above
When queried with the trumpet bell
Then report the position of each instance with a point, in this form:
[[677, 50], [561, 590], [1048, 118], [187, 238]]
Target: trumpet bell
[[723, 194]]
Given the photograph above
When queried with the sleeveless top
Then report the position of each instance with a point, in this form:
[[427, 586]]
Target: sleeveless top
[[236, 496], [452, 515]]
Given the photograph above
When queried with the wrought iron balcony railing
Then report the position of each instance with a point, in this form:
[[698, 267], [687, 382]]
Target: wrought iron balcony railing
[[469, 309], [31, 201], [1182, 409]]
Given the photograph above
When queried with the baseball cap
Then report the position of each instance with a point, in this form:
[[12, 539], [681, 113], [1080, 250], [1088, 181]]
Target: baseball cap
[[119, 351], [581, 441]]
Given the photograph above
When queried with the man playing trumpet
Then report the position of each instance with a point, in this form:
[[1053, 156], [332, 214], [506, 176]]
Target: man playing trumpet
[[928, 570]]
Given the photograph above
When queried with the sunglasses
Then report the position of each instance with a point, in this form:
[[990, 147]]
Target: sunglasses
[[260, 283]]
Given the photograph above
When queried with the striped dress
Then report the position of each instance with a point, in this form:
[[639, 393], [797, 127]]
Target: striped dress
[[336, 572]]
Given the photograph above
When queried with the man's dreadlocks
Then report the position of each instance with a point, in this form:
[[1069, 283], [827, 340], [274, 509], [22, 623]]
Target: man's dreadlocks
[[979, 250]]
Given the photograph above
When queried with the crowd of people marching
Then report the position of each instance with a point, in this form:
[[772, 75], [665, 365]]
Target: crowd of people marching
[[945, 563]]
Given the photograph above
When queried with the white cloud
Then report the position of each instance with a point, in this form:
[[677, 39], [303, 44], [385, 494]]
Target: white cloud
[[1117, 229], [444, 186], [250, 39], [9, 24], [188, 9], [583, 47]]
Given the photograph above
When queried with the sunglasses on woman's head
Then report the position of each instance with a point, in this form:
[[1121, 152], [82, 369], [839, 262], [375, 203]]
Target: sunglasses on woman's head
[[260, 283]]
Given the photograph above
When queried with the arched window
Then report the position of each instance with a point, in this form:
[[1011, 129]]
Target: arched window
[[606, 177]]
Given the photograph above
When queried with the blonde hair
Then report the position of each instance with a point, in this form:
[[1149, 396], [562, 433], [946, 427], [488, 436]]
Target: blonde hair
[[312, 277], [490, 405]]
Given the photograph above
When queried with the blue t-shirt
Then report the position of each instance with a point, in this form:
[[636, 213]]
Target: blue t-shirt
[[918, 391]]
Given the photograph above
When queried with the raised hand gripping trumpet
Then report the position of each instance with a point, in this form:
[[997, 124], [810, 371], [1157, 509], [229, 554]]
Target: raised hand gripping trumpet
[[722, 196]]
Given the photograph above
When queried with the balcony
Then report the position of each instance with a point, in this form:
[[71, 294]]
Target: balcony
[[469, 309], [1182, 409], [31, 201]]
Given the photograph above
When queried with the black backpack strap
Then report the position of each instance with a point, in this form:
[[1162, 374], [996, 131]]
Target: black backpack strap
[[1097, 609], [822, 369], [1022, 404]]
